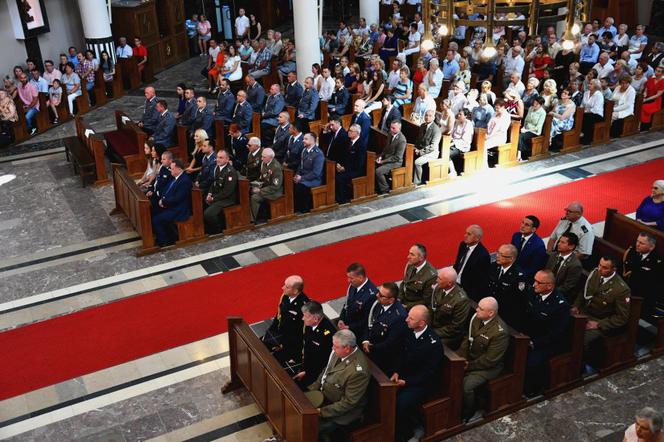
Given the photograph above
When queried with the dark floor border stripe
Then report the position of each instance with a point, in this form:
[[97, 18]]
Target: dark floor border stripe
[[110, 390], [229, 429], [294, 237]]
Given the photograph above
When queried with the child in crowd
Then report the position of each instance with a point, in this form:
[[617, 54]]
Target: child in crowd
[[54, 98]]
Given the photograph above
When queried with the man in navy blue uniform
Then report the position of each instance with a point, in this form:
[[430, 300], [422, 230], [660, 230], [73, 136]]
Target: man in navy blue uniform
[[386, 328], [294, 147], [150, 114], [306, 108], [242, 113], [532, 251], [339, 101], [309, 174], [417, 371], [225, 103], [189, 111], [205, 177], [363, 120], [164, 132], [547, 323], [360, 297], [508, 284], [237, 147], [203, 119], [294, 90], [255, 93], [281, 136], [174, 205], [270, 113], [163, 178]]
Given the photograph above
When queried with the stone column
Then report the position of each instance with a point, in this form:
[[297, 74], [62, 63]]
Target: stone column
[[370, 10], [97, 27], [305, 17]]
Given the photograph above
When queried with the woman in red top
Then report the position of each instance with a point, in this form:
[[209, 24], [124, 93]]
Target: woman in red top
[[418, 75], [216, 68], [141, 55], [652, 98], [541, 62]]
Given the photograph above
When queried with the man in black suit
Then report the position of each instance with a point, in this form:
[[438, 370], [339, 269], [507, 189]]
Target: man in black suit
[[546, 322], [187, 116], [386, 328], [163, 178], [294, 90], [363, 120], [316, 345], [349, 166], [417, 371], [642, 270], [336, 138], [202, 119], [472, 264], [338, 103], [237, 147], [294, 147], [222, 193], [427, 145], [389, 114], [566, 267], [281, 135], [174, 205], [360, 296], [507, 284], [532, 251], [242, 114], [284, 336]]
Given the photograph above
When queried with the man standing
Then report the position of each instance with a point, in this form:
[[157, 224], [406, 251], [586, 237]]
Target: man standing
[[242, 114], [327, 86], [123, 50], [202, 119], [418, 279], [532, 252], [427, 145], [337, 140], [150, 114], [284, 336], [263, 62], [255, 94], [417, 371], [566, 267], [391, 157], [363, 120], [294, 147], [339, 101], [574, 222], [224, 110], [642, 270], [30, 99], [238, 147], [309, 174], [206, 176], [449, 307], [472, 264], [507, 284], [390, 113], [351, 165], [294, 90], [360, 296], [306, 108], [174, 205], [223, 193], [241, 24], [165, 130], [270, 185], [484, 350], [316, 345], [189, 112]]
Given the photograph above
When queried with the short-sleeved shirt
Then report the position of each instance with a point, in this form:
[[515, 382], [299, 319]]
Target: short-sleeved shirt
[[123, 51], [191, 26], [140, 52], [582, 228], [28, 93], [70, 81], [241, 25], [50, 76], [635, 42], [204, 27]]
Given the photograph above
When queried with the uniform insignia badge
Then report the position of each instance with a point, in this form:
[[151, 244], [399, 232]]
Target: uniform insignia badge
[[522, 285], [584, 229], [626, 300], [276, 181], [500, 328], [326, 332], [269, 171], [358, 368], [230, 178]]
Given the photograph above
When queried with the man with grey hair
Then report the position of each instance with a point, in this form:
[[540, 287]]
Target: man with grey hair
[[427, 145], [433, 80], [351, 167], [647, 426], [418, 278], [642, 271], [363, 120], [242, 113], [339, 393], [449, 307], [472, 263], [316, 345], [270, 184], [284, 336], [262, 64], [252, 168], [391, 157], [574, 222], [507, 283], [513, 62], [281, 135]]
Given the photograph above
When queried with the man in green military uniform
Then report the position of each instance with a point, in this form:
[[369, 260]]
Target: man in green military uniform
[[418, 279], [222, 193], [449, 307], [605, 301], [339, 393], [270, 185], [252, 169], [484, 349]]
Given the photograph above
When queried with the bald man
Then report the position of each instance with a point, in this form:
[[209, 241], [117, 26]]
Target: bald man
[[484, 348], [150, 114], [284, 337], [508, 283], [417, 371], [449, 307]]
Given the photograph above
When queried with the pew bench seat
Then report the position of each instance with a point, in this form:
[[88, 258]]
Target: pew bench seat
[[120, 142], [81, 159]]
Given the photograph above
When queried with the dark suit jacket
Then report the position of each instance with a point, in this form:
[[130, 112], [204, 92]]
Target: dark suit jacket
[[150, 115], [355, 312], [206, 175], [395, 149], [256, 97], [386, 333], [364, 121], [273, 106], [225, 106], [177, 197], [294, 152], [293, 94], [280, 142], [339, 101], [161, 181], [421, 359], [203, 119], [242, 116], [547, 322], [337, 148], [163, 133], [532, 258], [394, 115], [308, 104], [475, 276], [428, 139], [511, 293], [569, 279], [239, 151], [189, 112]]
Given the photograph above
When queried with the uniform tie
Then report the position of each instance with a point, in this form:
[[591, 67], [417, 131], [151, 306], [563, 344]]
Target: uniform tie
[[556, 268]]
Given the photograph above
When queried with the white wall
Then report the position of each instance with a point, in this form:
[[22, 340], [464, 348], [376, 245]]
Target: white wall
[[66, 30]]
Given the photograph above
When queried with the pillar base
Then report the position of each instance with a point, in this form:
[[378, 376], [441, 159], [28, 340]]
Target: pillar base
[[97, 45]]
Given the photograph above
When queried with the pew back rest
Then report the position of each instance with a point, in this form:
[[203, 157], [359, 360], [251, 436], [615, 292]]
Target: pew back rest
[[623, 231], [380, 412], [131, 200]]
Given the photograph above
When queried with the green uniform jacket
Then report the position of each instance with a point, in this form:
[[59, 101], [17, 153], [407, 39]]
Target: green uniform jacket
[[344, 388], [252, 170], [224, 186], [486, 350], [448, 312], [272, 180], [607, 303], [416, 287]]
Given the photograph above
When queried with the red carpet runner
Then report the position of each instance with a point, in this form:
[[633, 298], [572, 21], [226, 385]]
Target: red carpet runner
[[63, 348]]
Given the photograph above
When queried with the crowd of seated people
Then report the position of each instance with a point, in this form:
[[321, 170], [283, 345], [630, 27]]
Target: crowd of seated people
[[471, 308]]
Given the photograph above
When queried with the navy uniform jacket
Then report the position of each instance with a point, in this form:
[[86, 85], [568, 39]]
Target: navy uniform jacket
[[311, 167], [206, 175], [163, 133], [239, 151], [256, 96], [308, 104], [287, 326], [339, 101], [177, 198], [203, 119], [293, 94], [273, 106], [355, 312], [421, 359], [316, 348], [225, 106], [644, 277], [532, 258], [293, 154], [161, 182], [547, 322], [364, 121], [280, 141], [150, 114], [475, 276], [242, 116], [189, 112], [386, 331], [511, 293]]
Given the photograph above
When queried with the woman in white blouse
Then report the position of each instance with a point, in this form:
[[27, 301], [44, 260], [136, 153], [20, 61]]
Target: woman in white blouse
[[623, 96], [462, 140], [232, 67], [496, 132], [414, 38], [593, 105], [446, 117]]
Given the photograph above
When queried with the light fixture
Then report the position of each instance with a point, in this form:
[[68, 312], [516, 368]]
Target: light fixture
[[427, 44], [443, 30], [576, 29], [568, 41], [489, 50]]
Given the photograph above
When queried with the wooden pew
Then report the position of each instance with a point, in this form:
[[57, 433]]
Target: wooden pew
[[439, 168], [658, 120], [565, 368], [255, 126], [86, 152], [238, 217], [131, 78], [63, 107], [20, 126], [622, 232], [192, 229], [631, 123], [402, 177], [409, 129], [505, 392], [323, 196], [126, 143], [117, 88], [602, 130], [44, 116], [380, 413], [658, 349], [473, 160], [83, 100], [572, 138], [220, 134], [540, 145], [364, 187], [507, 153], [282, 208], [619, 349], [100, 88], [442, 412]]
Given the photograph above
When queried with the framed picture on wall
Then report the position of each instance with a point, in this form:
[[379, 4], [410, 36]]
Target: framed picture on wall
[[33, 17]]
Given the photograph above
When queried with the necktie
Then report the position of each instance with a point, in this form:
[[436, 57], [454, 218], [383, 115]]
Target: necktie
[[170, 187], [235, 110], [217, 172], [410, 274], [501, 272], [523, 241], [556, 268]]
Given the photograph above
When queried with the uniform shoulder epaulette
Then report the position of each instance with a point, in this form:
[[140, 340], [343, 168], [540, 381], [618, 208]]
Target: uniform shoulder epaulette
[[584, 229]]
